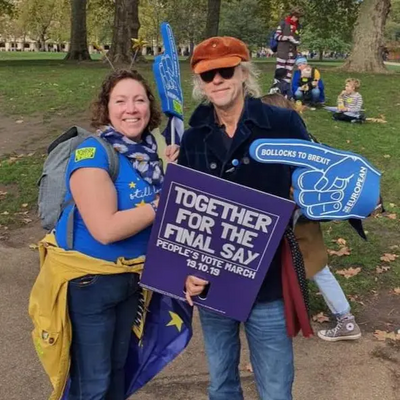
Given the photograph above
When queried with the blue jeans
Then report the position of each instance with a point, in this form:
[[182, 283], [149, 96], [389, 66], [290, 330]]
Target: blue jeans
[[102, 309], [332, 292], [315, 94], [271, 353]]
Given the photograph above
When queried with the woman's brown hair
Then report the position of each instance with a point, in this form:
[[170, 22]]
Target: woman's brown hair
[[100, 115], [277, 100]]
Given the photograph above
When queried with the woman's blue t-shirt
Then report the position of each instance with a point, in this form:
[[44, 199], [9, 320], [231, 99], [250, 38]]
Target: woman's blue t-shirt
[[132, 191]]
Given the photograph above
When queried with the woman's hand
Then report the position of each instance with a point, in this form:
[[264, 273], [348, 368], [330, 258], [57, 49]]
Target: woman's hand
[[194, 286], [172, 152]]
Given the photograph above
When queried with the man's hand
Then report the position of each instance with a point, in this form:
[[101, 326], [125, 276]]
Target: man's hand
[[194, 286], [172, 152]]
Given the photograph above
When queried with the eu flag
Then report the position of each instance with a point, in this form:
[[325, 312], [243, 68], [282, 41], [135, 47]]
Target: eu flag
[[166, 332], [166, 326]]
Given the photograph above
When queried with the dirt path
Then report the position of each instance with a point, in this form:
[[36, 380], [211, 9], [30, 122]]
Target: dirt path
[[365, 370]]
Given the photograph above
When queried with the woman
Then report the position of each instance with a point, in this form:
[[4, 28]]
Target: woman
[[112, 223]]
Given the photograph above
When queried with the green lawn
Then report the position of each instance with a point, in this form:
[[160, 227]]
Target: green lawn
[[44, 87]]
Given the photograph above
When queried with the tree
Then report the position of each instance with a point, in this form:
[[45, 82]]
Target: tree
[[213, 11], [100, 18], [393, 25], [126, 27], [366, 54], [242, 19], [328, 25], [7, 7], [37, 17], [78, 48], [188, 20]]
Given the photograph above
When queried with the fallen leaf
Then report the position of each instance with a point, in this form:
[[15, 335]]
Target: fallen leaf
[[394, 247], [19, 121], [349, 273], [26, 220], [12, 159], [344, 251], [392, 205], [396, 290], [381, 270], [3, 193], [5, 213], [387, 257], [392, 216], [341, 242], [386, 156], [25, 205], [321, 317], [348, 141], [382, 335], [33, 246]]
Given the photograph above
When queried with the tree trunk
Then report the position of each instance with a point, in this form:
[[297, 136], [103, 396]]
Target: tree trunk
[[214, 7], [78, 50], [42, 42], [321, 54], [126, 27], [366, 54]]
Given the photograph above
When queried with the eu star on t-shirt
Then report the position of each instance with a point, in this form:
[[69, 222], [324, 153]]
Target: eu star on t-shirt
[[132, 191]]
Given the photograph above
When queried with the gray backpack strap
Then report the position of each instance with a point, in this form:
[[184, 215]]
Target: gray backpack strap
[[113, 170], [112, 155]]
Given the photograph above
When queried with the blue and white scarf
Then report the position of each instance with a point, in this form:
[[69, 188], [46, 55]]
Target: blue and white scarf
[[143, 155]]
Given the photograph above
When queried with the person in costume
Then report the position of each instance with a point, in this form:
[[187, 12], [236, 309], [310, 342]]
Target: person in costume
[[307, 85], [349, 103], [230, 117], [287, 36], [311, 242], [111, 223]]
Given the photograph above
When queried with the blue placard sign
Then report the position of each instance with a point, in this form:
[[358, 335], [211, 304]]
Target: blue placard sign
[[167, 74], [328, 183]]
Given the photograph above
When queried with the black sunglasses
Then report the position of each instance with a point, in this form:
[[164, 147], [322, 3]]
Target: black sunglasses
[[225, 73]]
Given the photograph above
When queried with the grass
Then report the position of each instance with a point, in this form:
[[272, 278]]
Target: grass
[[49, 86]]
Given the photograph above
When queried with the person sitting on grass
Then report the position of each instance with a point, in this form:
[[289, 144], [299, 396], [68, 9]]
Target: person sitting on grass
[[307, 84], [349, 103], [281, 85]]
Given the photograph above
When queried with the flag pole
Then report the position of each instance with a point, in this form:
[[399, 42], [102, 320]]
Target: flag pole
[[173, 131]]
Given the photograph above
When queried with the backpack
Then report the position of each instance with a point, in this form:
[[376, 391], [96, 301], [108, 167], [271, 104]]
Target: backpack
[[273, 43], [52, 187]]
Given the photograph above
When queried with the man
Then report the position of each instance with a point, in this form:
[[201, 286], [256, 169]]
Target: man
[[217, 143], [307, 84], [287, 36]]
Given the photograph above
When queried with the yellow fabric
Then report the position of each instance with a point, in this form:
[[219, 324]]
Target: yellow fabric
[[48, 304]]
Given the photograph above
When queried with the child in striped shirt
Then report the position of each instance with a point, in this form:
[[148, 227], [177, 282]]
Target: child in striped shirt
[[350, 103]]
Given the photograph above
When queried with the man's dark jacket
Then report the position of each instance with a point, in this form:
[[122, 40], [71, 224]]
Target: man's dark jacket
[[203, 148]]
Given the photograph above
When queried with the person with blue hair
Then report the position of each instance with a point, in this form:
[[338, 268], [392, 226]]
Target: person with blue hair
[[307, 84]]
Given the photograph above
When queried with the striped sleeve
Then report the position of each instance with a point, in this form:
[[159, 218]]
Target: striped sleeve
[[279, 36], [356, 103]]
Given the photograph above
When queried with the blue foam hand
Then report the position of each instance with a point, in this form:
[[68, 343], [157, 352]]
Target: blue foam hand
[[167, 75], [328, 183]]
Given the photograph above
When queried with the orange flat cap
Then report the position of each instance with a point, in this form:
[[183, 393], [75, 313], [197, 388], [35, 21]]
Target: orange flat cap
[[218, 52]]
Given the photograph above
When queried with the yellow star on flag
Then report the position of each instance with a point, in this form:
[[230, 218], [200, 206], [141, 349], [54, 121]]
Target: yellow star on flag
[[141, 204], [132, 185], [176, 320]]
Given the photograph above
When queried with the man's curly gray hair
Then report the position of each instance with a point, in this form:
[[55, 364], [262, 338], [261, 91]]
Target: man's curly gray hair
[[250, 85]]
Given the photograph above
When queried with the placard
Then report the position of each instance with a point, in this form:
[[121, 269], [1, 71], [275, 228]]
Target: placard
[[217, 230]]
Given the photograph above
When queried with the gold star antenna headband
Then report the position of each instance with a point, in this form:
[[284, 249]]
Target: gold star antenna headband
[[137, 45], [104, 53]]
